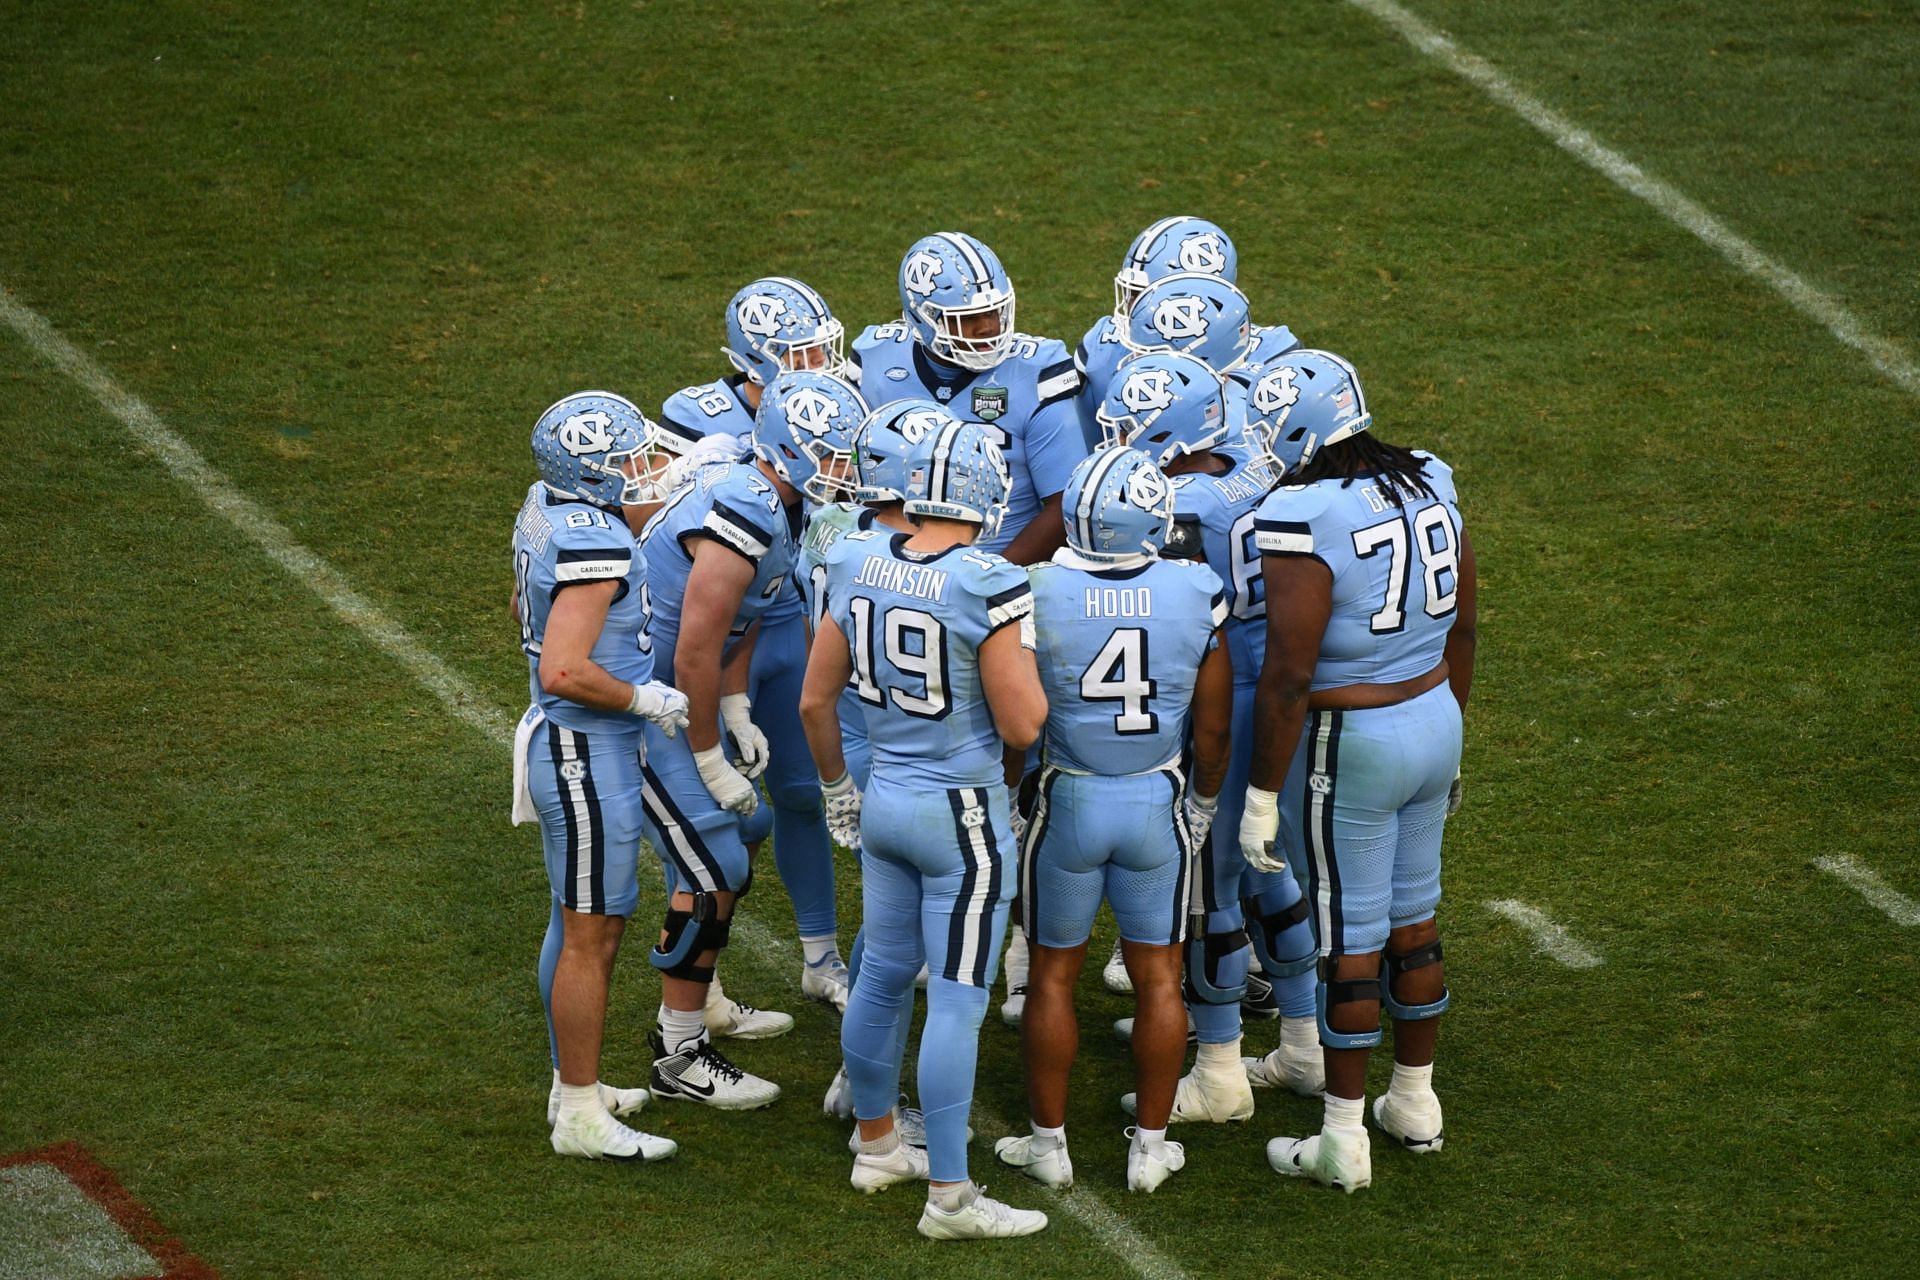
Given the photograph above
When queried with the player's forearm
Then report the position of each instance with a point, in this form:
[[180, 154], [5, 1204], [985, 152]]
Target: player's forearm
[[736, 668], [820, 721], [1279, 714], [696, 673], [586, 682], [1459, 654]]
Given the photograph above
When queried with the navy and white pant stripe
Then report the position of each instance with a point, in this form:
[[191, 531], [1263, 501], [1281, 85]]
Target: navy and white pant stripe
[[970, 941], [682, 844], [586, 838], [1316, 807]]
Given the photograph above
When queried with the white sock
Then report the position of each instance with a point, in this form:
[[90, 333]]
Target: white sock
[[1217, 1059], [714, 994], [1300, 1034], [1411, 1082], [678, 1026], [881, 1146], [1046, 1139], [580, 1100], [1343, 1114], [1152, 1141], [818, 949], [953, 1198]]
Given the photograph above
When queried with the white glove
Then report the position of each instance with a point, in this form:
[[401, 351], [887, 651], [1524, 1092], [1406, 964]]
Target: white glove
[[1259, 825], [1453, 795], [1199, 811], [729, 789], [736, 713], [1014, 818], [841, 799], [720, 447], [663, 704]]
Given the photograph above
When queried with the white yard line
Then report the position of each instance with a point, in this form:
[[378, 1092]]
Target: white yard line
[[1548, 937], [460, 698], [1816, 304], [1867, 883]]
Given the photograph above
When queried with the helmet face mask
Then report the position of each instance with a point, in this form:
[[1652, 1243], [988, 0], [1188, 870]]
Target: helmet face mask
[[1198, 315], [957, 300], [1117, 505], [804, 432], [1302, 401], [959, 473], [1164, 404], [1171, 246], [779, 324], [598, 447]]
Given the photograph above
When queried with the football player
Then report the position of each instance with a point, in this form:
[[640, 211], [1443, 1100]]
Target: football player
[[1175, 408], [1130, 655], [936, 637], [1171, 246], [775, 325], [582, 604], [1371, 588], [719, 552]]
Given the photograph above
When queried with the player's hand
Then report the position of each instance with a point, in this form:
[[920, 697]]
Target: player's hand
[[736, 713], [1453, 795], [661, 703], [1015, 818], [729, 788], [1259, 826], [841, 800], [1199, 812]]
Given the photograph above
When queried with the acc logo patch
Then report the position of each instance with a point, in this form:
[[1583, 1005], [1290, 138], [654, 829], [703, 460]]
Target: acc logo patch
[[759, 315], [812, 411], [1203, 253], [920, 271], [1179, 318], [573, 770], [896, 374], [1147, 390], [584, 433], [1276, 392]]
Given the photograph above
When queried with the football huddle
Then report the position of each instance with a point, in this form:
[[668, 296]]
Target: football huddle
[[1161, 623]]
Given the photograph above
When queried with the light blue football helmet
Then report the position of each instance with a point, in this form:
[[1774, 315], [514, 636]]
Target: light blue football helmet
[[959, 473], [1117, 504], [778, 323], [1194, 314], [804, 431], [599, 447], [883, 446], [1302, 401], [1169, 247], [946, 279], [1164, 403]]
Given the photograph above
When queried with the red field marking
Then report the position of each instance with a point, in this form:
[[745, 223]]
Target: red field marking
[[98, 1184]]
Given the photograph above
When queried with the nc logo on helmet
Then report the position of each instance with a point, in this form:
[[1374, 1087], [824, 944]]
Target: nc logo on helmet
[[1276, 392], [811, 411], [917, 426], [759, 315], [1177, 318], [1147, 489], [584, 433], [1147, 391], [1203, 253], [921, 271]]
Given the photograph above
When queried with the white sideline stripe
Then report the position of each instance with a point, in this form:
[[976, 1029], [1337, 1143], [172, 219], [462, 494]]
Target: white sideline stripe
[[1816, 304], [1899, 908], [460, 698], [1547, 936]]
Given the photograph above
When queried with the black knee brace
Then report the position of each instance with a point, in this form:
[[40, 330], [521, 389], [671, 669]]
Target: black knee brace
[[689, 935], [1418, 958], [1265, 932], [1331, 992]]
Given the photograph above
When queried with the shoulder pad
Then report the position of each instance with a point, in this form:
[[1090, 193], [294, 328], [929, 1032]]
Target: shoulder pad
[[999, 584], [1439, 475], [881, 335]]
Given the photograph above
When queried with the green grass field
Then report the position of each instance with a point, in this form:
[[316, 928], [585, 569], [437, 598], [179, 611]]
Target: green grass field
[[269, 941]]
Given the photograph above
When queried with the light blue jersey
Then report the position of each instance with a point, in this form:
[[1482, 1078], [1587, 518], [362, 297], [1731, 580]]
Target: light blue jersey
[[736, 506], [1213, 519], [1025, 401], [1119, 650], [915, 623], [1102, 350], [1396, 571], [692, 413], [558, 542]]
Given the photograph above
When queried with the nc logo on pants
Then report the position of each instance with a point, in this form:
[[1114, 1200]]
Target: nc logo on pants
[[1320, 784]]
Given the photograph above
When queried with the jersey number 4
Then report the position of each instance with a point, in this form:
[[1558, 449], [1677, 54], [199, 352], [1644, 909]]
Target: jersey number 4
[[1118, 673], [1432, 534]]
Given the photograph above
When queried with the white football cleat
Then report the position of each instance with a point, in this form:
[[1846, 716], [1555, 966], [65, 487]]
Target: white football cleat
[[1051, 1167], [618, 1102], [728, 1018], [839, 1100], [1115, 975], [1413, 1122], [1147, 1170], [1015, 1006], [873, 1173], [1341, 1159], [828, 982], [982, 1218], [1304, 1072], [1212, 1097], [701, 1073], [598, 1136], [1123, 1028]]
